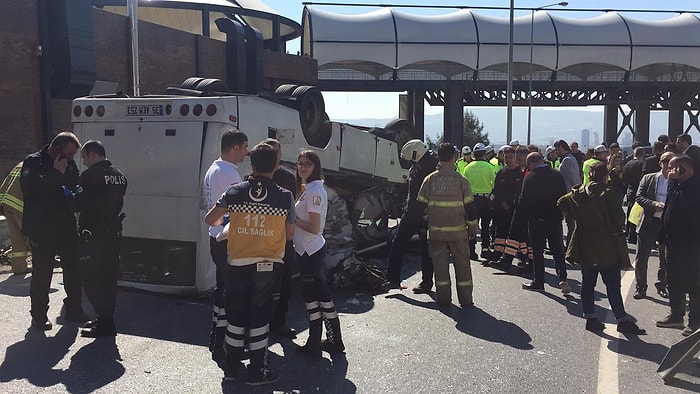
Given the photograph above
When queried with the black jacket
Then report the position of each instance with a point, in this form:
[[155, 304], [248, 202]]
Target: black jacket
[[424, 167], [49, 200], [541, 190], [682, 213], [102, 197]]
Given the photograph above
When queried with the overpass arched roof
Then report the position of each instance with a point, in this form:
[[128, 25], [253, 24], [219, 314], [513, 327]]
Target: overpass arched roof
[[187, 15], [463, 44]]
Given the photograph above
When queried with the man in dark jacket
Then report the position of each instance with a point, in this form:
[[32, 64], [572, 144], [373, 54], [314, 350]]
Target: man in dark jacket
[[652, 197], [631, 176], [651, 163], [681, 233], [412, 221], [538, 200], [49, 178], [100, 205], [684, 142]]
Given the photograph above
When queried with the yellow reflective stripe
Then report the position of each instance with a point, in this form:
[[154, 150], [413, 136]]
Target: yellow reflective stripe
[[469, 199], [19, 254], [473, 223], [447, 229], [421, 198], [439, 283], [447, 204], [15, 173], [466, 283], [12, 202]]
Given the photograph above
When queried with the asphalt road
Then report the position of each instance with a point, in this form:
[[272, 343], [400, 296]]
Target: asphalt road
[[512, 341]]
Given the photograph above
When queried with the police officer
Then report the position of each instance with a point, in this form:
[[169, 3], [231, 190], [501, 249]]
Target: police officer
[[465, 159], [481, 176], [261, 221], [13, 206], [48, 180], [452, 221], [412, 222], [100, 204], [600, 154]]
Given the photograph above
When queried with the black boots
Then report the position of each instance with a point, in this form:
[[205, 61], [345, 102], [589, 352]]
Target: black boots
[[312, 348], [640, 293], [334, 339]]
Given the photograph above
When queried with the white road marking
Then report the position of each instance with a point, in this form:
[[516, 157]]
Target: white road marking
[[608, 359]]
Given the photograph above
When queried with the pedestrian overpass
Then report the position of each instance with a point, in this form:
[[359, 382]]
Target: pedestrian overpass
[[630, 66]]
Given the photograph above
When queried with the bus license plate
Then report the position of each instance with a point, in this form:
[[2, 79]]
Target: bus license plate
[[144, 110]]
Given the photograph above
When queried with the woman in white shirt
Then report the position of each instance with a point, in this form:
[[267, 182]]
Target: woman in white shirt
[[310, 247]]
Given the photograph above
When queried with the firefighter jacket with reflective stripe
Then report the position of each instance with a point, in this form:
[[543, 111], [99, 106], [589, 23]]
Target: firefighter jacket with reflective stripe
[[102, 197], [259, 211], [49, 199], [11, 192], [481, 176], [451, 210]]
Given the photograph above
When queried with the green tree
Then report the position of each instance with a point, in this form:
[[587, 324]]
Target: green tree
[[473, 132]]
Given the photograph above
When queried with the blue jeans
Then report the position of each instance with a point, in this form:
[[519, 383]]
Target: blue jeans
[[550, 231], [612, 279]]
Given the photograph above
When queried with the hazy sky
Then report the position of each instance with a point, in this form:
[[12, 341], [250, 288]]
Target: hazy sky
[[382, 105]]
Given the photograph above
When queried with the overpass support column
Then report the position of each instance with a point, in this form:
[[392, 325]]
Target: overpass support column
[[675, 120], [641, 122], [610, 123], [416, 111], [454, 116]]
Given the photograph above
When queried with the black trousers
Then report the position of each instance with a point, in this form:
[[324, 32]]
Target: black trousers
[[251, 297], [409, 225], [100, 264], [219, 255], [279, 318], [682, 275], [63, 241], [483, 209]]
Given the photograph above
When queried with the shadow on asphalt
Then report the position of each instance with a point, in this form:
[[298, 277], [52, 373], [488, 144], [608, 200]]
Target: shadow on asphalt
[[477, 323]]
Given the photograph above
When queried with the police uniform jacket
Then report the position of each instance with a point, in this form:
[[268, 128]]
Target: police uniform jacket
[[450, 205], [11, 193], [481, 175], [102, 197], [48, 195]]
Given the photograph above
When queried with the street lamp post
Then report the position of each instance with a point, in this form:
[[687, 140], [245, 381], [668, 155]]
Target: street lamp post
[[509, 83], [529, 90]]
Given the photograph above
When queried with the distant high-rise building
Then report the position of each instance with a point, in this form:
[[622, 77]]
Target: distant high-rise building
[[596, 138], [585, 138]]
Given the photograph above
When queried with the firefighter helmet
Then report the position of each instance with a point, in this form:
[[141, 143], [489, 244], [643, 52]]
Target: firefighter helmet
[[413, 150]]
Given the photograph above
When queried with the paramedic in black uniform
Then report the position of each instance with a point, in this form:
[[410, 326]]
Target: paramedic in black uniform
[[100, 204], [49, 181], [261, 222]]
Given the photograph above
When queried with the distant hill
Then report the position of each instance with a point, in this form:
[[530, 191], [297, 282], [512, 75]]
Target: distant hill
[[547, 124]]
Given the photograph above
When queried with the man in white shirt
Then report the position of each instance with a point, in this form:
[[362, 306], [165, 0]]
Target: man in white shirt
[[222, 174]]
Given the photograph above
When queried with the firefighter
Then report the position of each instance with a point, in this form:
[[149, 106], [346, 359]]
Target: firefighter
[[100, 204], [481, 176], [12, 207], [452, 221], [412, 221], [49, 181]]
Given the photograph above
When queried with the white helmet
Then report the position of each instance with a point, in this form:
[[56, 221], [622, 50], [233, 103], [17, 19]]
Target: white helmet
[[413, 150]]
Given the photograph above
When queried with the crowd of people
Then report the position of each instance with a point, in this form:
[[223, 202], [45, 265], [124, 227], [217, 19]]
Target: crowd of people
[[264, 224], [519, 198]]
